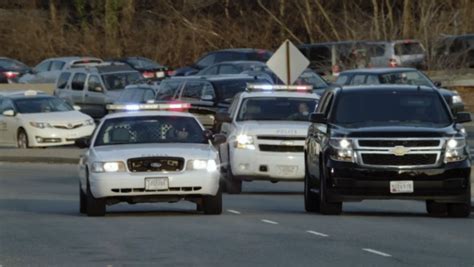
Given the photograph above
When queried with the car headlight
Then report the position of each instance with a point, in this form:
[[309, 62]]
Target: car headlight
[[341, 150], [202, 164], [89, 122], [40, 125], [245, 142], [111, 166], [457, 99], [455, 150]]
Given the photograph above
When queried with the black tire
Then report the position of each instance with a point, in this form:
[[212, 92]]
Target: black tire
[[311, 200], [232, 184], [459, 210], [82, 200], [325, 207], [95, 206], [436, 209], [22, 139], [212, 205]]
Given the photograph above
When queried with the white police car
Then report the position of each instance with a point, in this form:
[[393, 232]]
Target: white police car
[[266, 127], [149, 156], [34, 119]]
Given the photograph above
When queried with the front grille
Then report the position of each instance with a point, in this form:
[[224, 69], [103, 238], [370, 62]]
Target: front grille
[[392, 160], [393, 143], [155, 164], [285, 138], [278, 148], [68, 127]]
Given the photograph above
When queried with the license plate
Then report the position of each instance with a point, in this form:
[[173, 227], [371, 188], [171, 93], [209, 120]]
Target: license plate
[[159, 183], [397, 187], [287, 169], [160, 74]]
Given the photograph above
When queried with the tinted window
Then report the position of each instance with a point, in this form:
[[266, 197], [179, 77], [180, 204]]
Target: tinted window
[[372, 79], [406, 77], [136, 95], [42, 105], [44, 66], [57, 65], [229, 56], [342, 79], [386, 107], [358, 79], [206, 61], [320, 53], [209, 71], [276, 109], [168, 89], [150, 129], [93, 82], [63, 79], [118, 81], [227, 89], [228, 69], [408, 49], [78, 81], [194, 90]]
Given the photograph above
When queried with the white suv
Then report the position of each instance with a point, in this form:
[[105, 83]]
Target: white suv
[[266, 127]]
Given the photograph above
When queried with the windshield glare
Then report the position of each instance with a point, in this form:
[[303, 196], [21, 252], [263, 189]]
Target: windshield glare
[[41, 105], [276, 109], [405, 77], [356, 109], [118, 81], [150, 129]]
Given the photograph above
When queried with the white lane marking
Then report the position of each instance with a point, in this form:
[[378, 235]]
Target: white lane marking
[[380, 253], [268, 221], [317, 233], [234, 211]]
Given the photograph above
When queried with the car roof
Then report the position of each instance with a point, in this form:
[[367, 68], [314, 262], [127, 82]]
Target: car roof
[[247, 94], [377, 70], [21, 93], [73, 58], [131, 114], [388, 87], [221, 77], [105, 68]]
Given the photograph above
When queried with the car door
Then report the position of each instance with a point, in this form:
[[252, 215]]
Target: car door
[[228, 129], [10, 123], [94, 97], [77, 88]]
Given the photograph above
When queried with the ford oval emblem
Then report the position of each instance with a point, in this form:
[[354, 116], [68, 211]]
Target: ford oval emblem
[[155, 164]]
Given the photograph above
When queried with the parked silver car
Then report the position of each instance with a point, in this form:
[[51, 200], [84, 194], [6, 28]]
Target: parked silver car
[[399, 53], [48, 70]]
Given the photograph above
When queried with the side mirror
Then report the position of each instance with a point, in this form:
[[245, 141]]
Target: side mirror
[[9, 113], [219, 139], [462, 117], [318, 118], [438, 83], [84, 142], [207, 98], [223, 117], [76, 107], [98, 89]]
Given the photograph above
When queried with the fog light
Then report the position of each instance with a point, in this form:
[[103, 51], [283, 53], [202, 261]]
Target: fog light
[[243, 166]]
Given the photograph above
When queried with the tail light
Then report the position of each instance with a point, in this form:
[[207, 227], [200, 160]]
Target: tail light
[[392, 63], [11, 74], [148, 75], [170, 72]]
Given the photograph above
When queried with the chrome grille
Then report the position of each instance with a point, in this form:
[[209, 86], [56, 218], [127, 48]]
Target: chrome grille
[[155, 164], [392, 160], [280, 148]]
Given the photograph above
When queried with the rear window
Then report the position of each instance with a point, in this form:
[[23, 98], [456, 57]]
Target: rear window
[[408, 49], [118, 81]]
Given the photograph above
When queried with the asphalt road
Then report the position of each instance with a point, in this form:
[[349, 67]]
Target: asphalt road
[[266, 226]]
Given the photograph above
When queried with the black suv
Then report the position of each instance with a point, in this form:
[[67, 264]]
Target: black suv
[[387, 142]]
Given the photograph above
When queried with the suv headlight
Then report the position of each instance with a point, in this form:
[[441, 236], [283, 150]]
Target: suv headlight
[[245, 142], [202, 164], [341, 150], [40, 125], [110, 166], [455, 150], [456, 98]]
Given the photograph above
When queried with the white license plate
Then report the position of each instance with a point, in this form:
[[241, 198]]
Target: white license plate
[[287, 169], [397, 187], [159, 183], [160, 74]]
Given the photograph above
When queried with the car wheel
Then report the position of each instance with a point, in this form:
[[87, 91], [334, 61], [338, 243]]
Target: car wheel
[[94, 206], [212, 204], [22, 139], [232, 185], [82, 200], [436, 209], [325, 207], [311, 200], [459, 210]]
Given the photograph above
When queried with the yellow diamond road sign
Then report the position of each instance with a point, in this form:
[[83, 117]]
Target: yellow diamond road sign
[[288, 63]]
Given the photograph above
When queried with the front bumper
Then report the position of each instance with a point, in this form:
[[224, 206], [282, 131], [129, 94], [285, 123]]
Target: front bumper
[[257, 165], [126, 184], [56, 137], [351, 182]]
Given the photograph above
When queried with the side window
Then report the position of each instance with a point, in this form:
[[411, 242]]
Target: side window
[[372, 79], [358, 79], [328, 105], [208, 90], [228, 56], [93, 83], [322, 102], [206, 61], [211, 71], [195, 90], [57, 65], [63, 79], [228, 69], [43, 66], [6, 104], [149, 95], [342, 79], [78, 81]]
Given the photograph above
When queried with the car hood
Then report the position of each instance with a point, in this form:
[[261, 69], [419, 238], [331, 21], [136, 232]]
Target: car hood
[[56, 117], [124, 152], [396, 131], [274, 128]]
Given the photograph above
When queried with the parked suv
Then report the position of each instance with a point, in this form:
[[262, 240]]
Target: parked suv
[[399, 53], [94, 86], [455, 51], [387, 142]]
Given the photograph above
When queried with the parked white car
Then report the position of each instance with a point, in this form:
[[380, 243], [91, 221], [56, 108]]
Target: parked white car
[[35, 119], [266, 127], [149, 156]]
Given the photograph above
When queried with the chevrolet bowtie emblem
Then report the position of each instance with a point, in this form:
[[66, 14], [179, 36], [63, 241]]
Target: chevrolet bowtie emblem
[[400, 151], [287, 143]]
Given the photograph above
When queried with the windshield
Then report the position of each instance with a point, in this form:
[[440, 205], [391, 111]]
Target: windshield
[[136, 95], [143, 63], [168, 89], [408, 49], [41, 105], [405, 77], [118, 81], [311, 78], [11, 64], [276, 109], [227, 89], [150, 129], [373, 108]]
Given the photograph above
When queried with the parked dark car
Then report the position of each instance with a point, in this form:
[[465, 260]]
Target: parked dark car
[[11, 70], [410, 76], [232, 67], [235, 54], [148, 68], [455, 51], [387, 142]]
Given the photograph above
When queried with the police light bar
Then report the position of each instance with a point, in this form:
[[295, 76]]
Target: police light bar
[[147, 107], [279, 87]]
